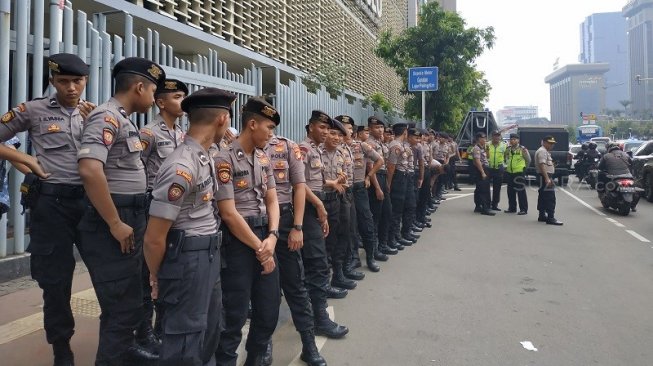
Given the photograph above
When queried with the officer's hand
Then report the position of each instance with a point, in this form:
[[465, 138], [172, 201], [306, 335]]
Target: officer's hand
[[295, 240], [419, 183], [379, 194], [549, 183], [268, 266], [367, 182], [33, 164], [124, 234], [85, 108], [266, 250], [342, 179], [483, 176], [339, 187], [154, 283]]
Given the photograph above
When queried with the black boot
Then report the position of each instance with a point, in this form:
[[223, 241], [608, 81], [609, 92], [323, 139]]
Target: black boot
[[339, 279], [253, 360], [380, 256], [266, 359], [324, 326], [137, 355], [310, 353], [63, 355], [335, 292], [146, 338], [351, 272], [371, 263], [385, 249]]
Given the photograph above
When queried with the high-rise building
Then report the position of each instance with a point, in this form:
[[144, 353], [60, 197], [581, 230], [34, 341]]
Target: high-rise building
[[603, 39], [574, 89], [639, 25], [415, 5], [513, 114]]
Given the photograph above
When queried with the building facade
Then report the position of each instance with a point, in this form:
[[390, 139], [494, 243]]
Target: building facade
[[415, 5], [574, 89], [513, 114], [639, 25], [603, 39]]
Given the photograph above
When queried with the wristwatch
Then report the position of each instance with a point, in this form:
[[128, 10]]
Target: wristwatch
[[298, 227], [274, 232]]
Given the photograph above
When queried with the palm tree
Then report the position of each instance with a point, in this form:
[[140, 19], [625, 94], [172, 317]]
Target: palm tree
[[625, 104]]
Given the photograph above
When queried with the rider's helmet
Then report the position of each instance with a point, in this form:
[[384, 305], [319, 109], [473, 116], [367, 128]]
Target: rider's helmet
[[613, 146], [592, 145], [584, 146]]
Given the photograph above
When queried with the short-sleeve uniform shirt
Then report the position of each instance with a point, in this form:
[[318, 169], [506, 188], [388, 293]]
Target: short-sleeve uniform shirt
[[313, 166], [334, 165], [481, 154], [543, 156], [158, 142], [380, 149], [362, 154], [286, 161], [398, 156]]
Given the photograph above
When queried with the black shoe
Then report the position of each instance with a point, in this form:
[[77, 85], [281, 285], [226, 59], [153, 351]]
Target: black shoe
[[553, 221], [353, 274], [335, 292], [522, 212], [403, 242], [420, 224], [457, 189], [542, 219], [427, 225], [416, 229], [633, 209], [399, 246], [310, 353], [478, 209], [488, 213], [444, 191], [414, 235], [388, 251], [146, 338], [495, 208], [371, 264], [343, 282], [379, 256], [409, 240], [63, 355], [254, 360], [442, 198], [136, 353], [356, 262], [266, 359], [330, 329], [427, 219], [510, 211]]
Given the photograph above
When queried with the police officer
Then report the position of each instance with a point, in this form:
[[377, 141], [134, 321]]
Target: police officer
[[379, 196], [55, 128], [454, 156], [316, 228], [364, 153], [286, 160], [441, 154], [408, 231], [388, 135], [517, 159], [397, 165], [248, 206], [546, 198], [424, 192], [496, 154], [182, 241], [481, 176], [112, 228]]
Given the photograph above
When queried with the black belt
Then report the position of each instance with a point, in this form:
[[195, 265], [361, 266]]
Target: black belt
[[399, 173], [329, 196], [256, 221], [382, 172], [62, 190], [129, 200], [349, 190], [205, 242], [285, 208], [359, 185]]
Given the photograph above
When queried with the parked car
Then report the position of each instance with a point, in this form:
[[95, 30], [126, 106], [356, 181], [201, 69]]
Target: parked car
[[643, 169], [573, 150], [630, 145]]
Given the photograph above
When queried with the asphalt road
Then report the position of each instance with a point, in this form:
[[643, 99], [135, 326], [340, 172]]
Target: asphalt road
[[468, 293]]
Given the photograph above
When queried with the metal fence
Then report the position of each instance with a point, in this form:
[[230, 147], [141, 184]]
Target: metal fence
[[25, 43]]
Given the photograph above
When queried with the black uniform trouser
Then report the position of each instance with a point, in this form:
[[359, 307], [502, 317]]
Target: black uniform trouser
[[442, 180], [364, 218], [453, 177], [546, 198], [116, 276], [423, 196], [517, 190], [291, 273], [314, 255], [149, 304], [53, 230], [496, 177], [190, 288], [242, 283], [346, 229], [381, 210], [482, 192], [335, 247], [398, 197], [410, 204]]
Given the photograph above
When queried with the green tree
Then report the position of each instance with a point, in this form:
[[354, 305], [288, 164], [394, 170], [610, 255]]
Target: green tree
[[331, 75], [625, 104], [440, 39]]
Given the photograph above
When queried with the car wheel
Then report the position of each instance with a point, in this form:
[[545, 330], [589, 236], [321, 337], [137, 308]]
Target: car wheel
[[648, 188]]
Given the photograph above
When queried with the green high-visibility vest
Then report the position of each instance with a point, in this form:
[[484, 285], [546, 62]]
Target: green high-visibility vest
[[496, 155], [470, 156], [516, 161]]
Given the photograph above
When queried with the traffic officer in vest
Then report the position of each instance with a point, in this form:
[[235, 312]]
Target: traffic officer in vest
[[546, 198], [159, 138], [55, 127], [397, 165], [379, 196], [364, 153], [182, 241], [517, 160], [286, 159], [316, 228], [408, 229], [112, 228], [496, 154], [481, 176], [248, 205]]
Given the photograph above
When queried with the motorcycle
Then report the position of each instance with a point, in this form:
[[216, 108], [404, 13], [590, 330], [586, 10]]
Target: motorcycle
[[592, 173], [618, 193]]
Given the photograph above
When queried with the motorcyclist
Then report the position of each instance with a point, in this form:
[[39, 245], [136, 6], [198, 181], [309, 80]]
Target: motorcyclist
[[615, 162], [580, 164], [588, 159]]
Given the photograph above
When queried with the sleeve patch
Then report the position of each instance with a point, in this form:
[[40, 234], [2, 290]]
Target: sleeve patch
[[175, 191], [224, 172], [147, 131], [107, 136], [297, 152], [7, 117], [184, 174], [112, 121], [144, 144]]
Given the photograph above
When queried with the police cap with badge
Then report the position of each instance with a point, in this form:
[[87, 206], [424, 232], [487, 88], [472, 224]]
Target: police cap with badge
[[67, 64], [208, 98], [345, 120], [399, 128], [414, 132], [337, 125], [372, 121], [172, 86], [263, 108], [141, 67]]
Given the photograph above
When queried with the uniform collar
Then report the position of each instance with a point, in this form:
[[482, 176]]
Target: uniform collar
[[198, 149], [54, 103], [119, 106], [162, 123], [273, 141], [240, 154]]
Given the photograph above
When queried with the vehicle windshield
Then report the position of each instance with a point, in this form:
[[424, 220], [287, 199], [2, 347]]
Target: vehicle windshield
[[574, 149]]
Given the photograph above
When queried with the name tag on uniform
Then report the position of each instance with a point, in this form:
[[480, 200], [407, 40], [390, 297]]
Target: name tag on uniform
[[164, 143], [134, 144]]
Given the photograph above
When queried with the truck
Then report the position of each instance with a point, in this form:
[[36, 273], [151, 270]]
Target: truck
[[475, 122], [531, 138]]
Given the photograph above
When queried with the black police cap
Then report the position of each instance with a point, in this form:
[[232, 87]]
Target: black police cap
[[208, 98], [480, 135], [388, 130], [414, 132], [261, 107], [397, 127], [345, 119], [172, 86], [319, 116], [140, 66], [338, 126], [67, 64], [514, 136], [362, 128], [371, 121]]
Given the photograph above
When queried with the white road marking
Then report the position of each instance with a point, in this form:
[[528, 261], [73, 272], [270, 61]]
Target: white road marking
[[451, 197], [637, 236], [319, 341], [617, 223], [582, 202]]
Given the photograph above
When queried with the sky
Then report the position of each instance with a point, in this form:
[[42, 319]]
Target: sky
[[530, 36]]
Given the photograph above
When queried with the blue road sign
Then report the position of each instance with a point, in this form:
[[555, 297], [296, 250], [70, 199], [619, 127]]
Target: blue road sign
[[423, 79]]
